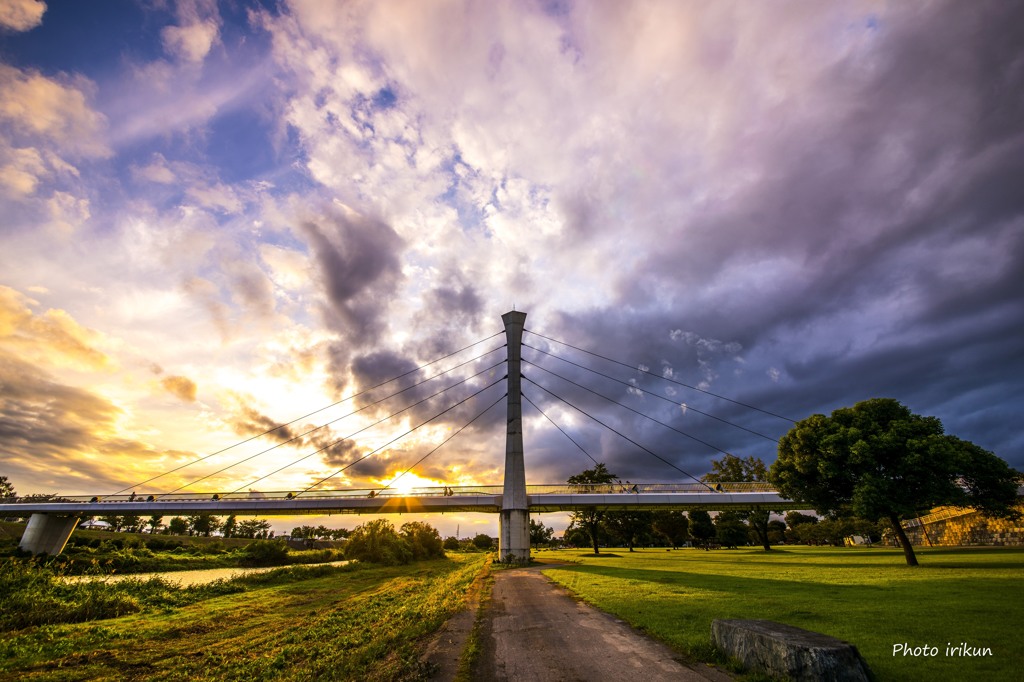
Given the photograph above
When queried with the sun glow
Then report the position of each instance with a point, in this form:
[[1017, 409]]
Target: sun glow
[[405, 484]]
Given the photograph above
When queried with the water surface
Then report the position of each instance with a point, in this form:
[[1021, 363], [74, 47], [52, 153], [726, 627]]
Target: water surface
[[194, 577]]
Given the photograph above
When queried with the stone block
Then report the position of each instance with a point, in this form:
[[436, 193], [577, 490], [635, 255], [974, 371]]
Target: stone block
[[789, 652]]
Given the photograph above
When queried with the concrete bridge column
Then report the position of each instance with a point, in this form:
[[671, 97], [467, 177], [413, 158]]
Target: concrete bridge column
[[514, 520], [47, 533]]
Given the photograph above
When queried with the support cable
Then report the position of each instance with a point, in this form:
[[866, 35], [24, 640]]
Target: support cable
[[334, 442], [653, 454], [616, 402], [345, 416], [537, 407], [643, 390], [351, 397], [466, 425], [373, 452], [679, 383]]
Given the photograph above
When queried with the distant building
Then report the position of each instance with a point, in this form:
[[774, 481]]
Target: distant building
[[92, 524]]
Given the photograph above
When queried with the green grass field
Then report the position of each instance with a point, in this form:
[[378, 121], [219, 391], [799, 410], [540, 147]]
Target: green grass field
[[322, 623], [868, 597]]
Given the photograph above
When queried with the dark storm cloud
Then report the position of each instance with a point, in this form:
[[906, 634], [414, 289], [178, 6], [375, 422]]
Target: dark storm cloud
[[451, 313], [251, 422], [359, 265], [378, 367], [881, 253]]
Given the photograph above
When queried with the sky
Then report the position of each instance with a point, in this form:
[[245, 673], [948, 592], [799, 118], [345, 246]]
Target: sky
[[216, 218]]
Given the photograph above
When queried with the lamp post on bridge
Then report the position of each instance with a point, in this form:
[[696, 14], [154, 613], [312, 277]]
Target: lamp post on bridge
[[514, 519]]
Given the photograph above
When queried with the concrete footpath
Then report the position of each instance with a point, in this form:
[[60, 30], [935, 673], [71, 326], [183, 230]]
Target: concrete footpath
[[533, 630]]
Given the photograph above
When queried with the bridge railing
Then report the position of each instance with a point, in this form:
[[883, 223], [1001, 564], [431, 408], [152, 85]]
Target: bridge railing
[[442, 491], [641, 488]]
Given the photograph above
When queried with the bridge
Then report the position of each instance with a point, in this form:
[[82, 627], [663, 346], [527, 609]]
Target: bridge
[[53, 520]]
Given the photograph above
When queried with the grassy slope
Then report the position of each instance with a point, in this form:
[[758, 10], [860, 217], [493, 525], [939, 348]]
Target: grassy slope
[[868, 597], [365, 624]]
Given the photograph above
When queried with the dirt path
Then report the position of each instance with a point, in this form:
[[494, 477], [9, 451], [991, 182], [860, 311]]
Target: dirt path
[[534, 630]]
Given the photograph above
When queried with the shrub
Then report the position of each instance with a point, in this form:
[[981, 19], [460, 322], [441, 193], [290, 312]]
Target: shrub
[[265, 553], [423, 539], [377, 542]]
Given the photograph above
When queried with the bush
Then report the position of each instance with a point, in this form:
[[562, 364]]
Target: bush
[[265, 553], [452, 543], [377, 542], [423, 539]]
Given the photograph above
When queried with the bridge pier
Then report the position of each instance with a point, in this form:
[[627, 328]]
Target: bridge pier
[[514, 520], [47, 533]]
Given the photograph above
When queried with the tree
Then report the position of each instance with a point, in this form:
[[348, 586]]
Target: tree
[[735, 469], [590, 519], [252, 528], [116, 522], [132, 523], [483, 541], [701, 528], [879, 461], [230, 526], [730, 531], [673, 526], [424, 540], [377, 542], [6, 488], [539, 535], [630, 527], [178, 526], [451, 543], [154, 523], [203, 524]]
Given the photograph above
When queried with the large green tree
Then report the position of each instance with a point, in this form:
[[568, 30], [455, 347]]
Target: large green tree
[[879, 461], [733, 469], [671, 525], [702, 529], [629, 527], [590, 519]]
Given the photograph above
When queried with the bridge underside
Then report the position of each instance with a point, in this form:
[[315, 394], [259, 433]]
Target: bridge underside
[[406, 504]]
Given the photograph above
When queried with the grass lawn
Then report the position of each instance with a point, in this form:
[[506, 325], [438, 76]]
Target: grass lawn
[[868, 597], [340, 624]]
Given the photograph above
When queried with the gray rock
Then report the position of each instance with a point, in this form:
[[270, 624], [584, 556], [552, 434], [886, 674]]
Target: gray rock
[[789, 652]]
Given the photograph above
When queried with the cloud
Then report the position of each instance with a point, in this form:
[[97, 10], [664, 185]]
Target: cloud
[[21, 15], [797, 207], [62, 438], [198, 33], [358, 263], [52, 338], [182, 388], [42, 108]]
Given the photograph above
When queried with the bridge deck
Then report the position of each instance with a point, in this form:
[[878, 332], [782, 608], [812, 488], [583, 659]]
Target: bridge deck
[[541, 498]]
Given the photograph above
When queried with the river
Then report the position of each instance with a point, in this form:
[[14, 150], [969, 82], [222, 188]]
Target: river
[[197, 577]]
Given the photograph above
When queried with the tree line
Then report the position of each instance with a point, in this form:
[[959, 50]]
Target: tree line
[[864, 469]]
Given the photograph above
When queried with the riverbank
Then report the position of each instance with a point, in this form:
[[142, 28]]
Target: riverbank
[[347, 622], [106, 553]]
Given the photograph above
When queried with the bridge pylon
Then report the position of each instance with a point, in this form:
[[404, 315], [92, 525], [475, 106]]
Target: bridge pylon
[[514, 519]]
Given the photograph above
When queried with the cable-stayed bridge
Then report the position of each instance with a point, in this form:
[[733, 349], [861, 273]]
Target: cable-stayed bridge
[[52, 520]]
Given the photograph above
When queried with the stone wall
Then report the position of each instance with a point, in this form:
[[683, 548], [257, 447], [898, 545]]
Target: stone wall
[[970, 528]]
